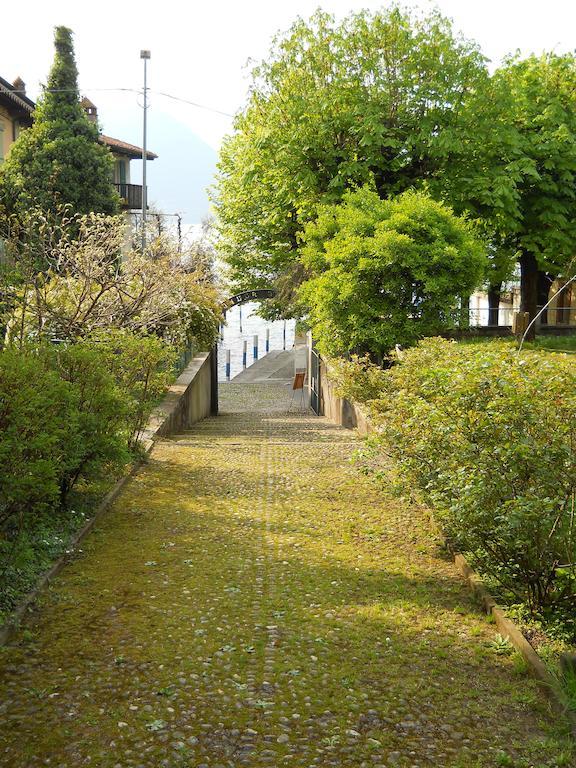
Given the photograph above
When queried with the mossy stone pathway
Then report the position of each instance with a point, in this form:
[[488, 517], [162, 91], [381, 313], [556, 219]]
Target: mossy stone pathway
[[252, 600]]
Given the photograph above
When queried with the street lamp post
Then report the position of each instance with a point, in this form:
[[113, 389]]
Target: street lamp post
[[145, 55]]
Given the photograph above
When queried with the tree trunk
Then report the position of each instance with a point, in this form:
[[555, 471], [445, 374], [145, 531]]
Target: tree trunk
[[544, 283], [529, 289], [494, 292], [465, 311]]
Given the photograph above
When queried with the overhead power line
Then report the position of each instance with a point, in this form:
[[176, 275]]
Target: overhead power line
[[137, 91], [193, 103], [69, 90]]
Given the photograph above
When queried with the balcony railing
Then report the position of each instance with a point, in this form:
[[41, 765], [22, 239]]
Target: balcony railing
[[131, 195]]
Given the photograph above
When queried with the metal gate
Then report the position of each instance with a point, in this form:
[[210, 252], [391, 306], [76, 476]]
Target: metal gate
[[315, 382]]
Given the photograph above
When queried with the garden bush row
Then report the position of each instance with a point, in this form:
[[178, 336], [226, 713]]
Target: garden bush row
[[90, 334], [68, 412], [488, 436]]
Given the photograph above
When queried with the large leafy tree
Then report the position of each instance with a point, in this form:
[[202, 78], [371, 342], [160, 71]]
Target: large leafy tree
[[369, 99], [514, 167], [59, 161], [386, 271]]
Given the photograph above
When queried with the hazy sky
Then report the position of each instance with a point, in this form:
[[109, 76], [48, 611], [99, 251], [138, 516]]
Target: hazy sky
[[200, 52], [200, 49]]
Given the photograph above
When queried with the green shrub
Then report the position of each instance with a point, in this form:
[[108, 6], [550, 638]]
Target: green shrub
[[67, 412], [357, 379], [71, 410], [142, 367], [101, 434], [38, 423], [383, 272], [490, 438], [62, 417]]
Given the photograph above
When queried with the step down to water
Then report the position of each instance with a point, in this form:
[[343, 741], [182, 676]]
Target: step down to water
[[275, 366]]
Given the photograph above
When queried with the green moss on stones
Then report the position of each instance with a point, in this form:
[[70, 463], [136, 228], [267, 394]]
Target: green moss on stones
[[252, 599]]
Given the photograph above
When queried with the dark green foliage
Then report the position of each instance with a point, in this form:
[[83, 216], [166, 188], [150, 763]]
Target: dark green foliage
[[142, 366], [513, 165], [386, 271], [490, 438], [101, 421], [70, 415], [67, 411], [38, 421], [59, 160], [62, 416], [521, 169]]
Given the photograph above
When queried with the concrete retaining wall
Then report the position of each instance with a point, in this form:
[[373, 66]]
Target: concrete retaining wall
[[338, 409], [187, 401]]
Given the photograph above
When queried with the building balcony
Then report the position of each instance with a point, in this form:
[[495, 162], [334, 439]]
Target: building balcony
[[131, 195]]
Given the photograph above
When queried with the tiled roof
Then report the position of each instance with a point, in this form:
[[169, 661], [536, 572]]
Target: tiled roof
[[7, 89], [85, 102], [123, 148], [115, 145]]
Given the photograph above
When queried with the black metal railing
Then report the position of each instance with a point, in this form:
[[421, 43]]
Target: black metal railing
[[315, 373], [131, 195]]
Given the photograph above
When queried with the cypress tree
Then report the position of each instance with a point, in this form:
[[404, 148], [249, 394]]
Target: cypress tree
[[59, 160]]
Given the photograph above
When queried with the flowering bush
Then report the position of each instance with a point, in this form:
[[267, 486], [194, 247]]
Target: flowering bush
[[73, 279]]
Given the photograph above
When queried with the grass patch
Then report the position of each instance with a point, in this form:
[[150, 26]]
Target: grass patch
[[556, 343], [544, 343]]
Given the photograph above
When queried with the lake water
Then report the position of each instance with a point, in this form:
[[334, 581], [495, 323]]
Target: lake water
[[242, 324]]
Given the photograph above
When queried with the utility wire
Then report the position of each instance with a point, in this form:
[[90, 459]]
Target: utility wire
[[69, 90], [131, 90], [193, 103]]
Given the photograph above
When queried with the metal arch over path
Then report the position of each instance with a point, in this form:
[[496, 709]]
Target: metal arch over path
[[241, 298], [258, 294]]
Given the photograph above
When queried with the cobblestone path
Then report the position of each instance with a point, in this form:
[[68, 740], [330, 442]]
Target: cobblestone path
[[253, 600]]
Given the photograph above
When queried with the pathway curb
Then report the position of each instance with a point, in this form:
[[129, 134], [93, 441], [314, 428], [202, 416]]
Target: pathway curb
[[13, 622], [160, 424], [509, 629], [506, 626]]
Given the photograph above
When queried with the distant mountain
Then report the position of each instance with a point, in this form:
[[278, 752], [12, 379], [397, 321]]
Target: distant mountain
[[185, 167]]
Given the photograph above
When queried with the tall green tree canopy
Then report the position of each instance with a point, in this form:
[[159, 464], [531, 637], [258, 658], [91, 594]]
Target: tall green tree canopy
[[386, 271], [515, 165], [59, 160], [336, 104]]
